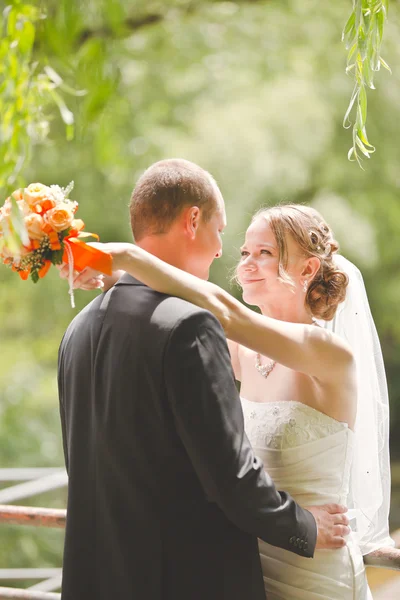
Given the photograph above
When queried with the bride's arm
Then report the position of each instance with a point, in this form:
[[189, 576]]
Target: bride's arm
[[305, 348]]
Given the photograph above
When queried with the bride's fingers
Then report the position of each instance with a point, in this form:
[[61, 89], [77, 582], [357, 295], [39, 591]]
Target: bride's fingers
[[85, 276], [63, 270], [93, 284], [88, 279]]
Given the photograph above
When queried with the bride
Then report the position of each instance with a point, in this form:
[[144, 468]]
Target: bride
[[320, 429]]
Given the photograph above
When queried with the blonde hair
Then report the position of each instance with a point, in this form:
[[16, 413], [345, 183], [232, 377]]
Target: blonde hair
[[315, 238]]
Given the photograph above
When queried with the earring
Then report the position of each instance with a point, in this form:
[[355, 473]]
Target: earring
[[305, 285]]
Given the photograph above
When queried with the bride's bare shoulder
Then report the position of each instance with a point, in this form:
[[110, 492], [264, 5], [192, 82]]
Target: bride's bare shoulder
[[334, 346]]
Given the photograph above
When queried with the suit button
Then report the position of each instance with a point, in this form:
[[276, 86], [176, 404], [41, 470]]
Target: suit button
[[305, 545], [292, 540], [298, 542], [301, 544]]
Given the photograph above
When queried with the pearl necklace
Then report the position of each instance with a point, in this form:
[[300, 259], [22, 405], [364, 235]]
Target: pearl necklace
[[267, 369], [264, 370]]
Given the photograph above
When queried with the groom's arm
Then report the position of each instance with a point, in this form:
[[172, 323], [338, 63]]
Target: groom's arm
[[209, 420]]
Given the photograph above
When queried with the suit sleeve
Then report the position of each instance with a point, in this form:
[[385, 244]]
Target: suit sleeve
[[209, 421]]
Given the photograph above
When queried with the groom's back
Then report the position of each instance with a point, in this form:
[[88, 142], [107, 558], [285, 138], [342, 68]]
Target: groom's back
[[139, 525]]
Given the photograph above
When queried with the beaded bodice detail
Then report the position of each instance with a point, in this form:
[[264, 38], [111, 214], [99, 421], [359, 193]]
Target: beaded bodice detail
[[306, 452], [286, 424]]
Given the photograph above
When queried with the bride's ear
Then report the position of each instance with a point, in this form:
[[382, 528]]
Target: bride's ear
[[311, 267], [192, 221]]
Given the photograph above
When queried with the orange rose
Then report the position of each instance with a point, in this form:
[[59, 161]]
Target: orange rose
[[60, 217], [36, 193], [34, 225], [47, 204]]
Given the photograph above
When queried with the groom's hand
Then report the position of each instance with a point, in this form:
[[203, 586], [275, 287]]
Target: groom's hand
[[332, 525]]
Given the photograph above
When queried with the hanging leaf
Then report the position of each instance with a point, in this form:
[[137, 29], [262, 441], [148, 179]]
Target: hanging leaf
[[26, 91], [363, 34], [363, 105]]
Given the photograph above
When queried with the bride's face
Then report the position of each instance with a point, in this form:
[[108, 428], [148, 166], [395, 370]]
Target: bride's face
[[258, 268]]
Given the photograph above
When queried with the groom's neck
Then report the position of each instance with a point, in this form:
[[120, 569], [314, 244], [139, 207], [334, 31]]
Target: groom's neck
[[168, 249]]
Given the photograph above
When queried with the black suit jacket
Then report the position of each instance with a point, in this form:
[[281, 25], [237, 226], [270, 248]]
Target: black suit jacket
[[166, 498]]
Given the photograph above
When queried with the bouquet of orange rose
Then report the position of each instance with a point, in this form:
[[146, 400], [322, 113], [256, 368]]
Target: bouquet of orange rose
[[38, 228]]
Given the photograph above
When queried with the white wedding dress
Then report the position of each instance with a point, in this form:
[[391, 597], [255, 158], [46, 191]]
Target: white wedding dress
[[308, 454]]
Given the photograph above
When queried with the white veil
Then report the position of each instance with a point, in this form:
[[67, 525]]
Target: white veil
[[369, 499]]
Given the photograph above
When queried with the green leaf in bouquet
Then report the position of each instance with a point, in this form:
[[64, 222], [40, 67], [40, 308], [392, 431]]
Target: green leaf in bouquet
[[35, 275], [63, 234], [67, 190], [56, 256]]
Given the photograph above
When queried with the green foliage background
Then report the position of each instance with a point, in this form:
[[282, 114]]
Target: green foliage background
[[253, 91]]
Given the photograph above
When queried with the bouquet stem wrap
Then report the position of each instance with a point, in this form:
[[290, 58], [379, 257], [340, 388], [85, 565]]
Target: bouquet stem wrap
[[79, 255]]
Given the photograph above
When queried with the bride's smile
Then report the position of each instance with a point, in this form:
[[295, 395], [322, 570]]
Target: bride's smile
[[259, 274]]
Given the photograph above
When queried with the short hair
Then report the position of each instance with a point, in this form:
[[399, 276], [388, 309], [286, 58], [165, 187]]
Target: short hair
[[164, 190]]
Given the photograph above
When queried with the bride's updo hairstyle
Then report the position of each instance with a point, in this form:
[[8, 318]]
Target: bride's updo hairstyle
[[315, 238]]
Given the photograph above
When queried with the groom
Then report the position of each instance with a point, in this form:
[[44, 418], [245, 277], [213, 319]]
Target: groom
[[166, 498]]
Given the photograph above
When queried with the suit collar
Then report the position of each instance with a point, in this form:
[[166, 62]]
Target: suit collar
[[127, 279]]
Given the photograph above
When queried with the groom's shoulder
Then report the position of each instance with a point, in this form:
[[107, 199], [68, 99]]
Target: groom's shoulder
[[172, 312], [84, 314], [159, 309]]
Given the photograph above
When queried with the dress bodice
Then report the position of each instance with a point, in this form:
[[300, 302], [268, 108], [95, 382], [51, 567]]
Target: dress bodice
[[306, 452]]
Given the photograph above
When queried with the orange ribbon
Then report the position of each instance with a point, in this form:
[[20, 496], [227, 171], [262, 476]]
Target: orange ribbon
[[85, 255], [82, 254]]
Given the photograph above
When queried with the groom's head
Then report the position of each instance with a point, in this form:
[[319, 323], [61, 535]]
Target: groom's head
[[177, 211]]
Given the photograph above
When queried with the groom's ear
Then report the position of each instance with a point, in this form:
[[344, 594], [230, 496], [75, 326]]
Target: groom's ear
[[192, 221]]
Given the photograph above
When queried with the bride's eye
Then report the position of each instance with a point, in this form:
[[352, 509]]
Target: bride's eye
[[264, 251], [244, 253]]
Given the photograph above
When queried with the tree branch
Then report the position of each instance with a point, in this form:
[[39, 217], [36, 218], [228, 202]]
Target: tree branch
[[130, 25]]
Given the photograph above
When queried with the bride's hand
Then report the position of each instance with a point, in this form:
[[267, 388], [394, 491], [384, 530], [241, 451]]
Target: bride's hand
[[88, 279], [118, 251]]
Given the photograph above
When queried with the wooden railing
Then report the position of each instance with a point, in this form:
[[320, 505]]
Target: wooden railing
[[30, 482], [25, 484], [28, 515], [14, 594], [386, 558]]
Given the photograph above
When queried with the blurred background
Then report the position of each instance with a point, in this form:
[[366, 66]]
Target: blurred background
[[253, 91]]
